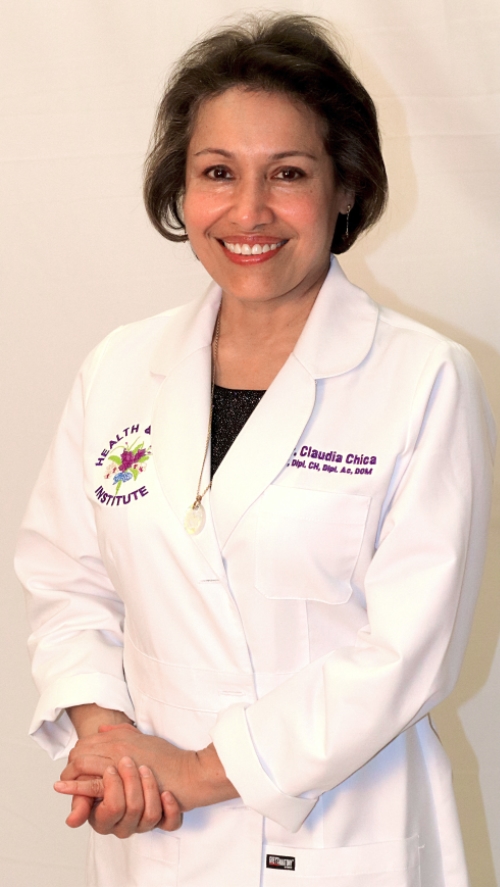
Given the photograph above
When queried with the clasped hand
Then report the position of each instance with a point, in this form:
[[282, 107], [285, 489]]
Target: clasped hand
[[118, 778]]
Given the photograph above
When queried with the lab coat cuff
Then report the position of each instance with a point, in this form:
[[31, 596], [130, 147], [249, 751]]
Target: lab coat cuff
[[51, 726], [233, 743]]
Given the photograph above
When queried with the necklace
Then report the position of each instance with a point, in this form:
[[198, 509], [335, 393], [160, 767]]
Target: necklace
[[194, 520]]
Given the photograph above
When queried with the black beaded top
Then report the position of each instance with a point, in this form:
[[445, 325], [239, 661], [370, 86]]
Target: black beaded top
[[232, 407]]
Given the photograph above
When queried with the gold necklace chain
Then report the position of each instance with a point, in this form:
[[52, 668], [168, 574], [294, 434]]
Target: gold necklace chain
[[195, 517]]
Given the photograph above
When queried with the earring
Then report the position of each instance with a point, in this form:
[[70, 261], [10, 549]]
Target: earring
[[348, 213]]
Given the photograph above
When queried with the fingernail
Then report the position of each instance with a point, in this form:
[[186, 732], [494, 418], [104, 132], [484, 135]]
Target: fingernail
[[127, 762], [60, 784], [111, 770], [144, 771]]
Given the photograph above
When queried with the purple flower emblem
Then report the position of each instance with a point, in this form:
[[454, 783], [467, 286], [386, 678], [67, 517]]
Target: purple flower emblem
[[129, 464]]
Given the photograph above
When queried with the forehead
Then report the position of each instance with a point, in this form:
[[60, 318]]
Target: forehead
[[245, 117]]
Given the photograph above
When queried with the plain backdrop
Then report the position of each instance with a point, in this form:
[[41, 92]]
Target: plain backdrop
[[78, 87]]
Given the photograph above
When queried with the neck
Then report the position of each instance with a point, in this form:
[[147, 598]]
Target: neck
[[257, 337]]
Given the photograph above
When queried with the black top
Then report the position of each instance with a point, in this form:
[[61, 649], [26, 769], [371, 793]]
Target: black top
[[232, 407]]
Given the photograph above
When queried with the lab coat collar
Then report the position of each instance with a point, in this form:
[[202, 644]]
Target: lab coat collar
[[189, 328], [337, 337], [340, 328]]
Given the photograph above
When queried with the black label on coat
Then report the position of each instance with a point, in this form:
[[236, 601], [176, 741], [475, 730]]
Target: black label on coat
[[286, 863]]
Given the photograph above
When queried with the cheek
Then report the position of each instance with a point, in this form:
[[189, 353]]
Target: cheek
[[314, 216], [194, 216], [200, 211]]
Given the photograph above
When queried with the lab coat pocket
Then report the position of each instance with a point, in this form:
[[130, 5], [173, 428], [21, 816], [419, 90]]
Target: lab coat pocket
[[308, 542], [147, 860], [387, 864], [155, 857]]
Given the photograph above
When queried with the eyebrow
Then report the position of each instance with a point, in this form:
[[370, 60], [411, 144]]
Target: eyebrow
[[280, 156]]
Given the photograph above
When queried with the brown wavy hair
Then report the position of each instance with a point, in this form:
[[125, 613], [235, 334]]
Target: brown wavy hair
[[290, 54]]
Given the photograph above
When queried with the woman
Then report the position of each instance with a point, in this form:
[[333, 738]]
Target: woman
[[268, 554]]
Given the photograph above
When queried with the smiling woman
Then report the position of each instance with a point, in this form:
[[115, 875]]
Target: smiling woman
[[249, 643]]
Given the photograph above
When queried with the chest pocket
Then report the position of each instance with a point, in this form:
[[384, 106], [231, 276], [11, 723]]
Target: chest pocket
[[308, 543]]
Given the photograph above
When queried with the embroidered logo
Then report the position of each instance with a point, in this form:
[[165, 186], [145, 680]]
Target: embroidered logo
[[124, 460], [285, 863]]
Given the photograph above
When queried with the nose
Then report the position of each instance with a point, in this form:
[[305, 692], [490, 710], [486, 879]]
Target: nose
[[251, 207]]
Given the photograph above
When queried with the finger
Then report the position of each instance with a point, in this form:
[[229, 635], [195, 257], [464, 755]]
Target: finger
[[90, 788], [172, 813], [107, 814], [80, 811], [153, 812], [133, 796]]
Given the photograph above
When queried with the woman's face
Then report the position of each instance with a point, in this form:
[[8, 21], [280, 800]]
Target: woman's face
[[261, 200]]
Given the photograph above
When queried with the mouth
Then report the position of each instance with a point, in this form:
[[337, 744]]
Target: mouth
[[252, 249], [245, 252]]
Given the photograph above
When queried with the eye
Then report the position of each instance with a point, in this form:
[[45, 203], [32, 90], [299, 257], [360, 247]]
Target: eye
[[219, 173], [290, 174]]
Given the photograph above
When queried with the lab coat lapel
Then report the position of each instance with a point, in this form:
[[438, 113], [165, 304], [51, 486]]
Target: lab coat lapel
[[337, 337], [263, 447], [181, 413]]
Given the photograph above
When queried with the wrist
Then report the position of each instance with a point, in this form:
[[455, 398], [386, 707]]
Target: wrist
[[213, 784], [87, 718]]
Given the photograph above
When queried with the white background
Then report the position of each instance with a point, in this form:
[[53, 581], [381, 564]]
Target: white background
[[79, 82]]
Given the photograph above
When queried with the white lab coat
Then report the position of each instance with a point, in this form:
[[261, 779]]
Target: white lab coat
[[314, 622]]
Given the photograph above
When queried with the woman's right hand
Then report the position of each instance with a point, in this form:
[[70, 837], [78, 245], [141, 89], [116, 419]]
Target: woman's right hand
[[125, 801]]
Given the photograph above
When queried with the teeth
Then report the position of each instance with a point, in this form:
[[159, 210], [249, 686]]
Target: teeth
[[244, 249]]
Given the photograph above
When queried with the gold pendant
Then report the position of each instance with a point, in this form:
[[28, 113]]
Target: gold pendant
[[194, 520]]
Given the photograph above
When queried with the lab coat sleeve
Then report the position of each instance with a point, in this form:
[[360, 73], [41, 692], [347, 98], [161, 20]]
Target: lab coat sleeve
[[329, 719], [75, 615]]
